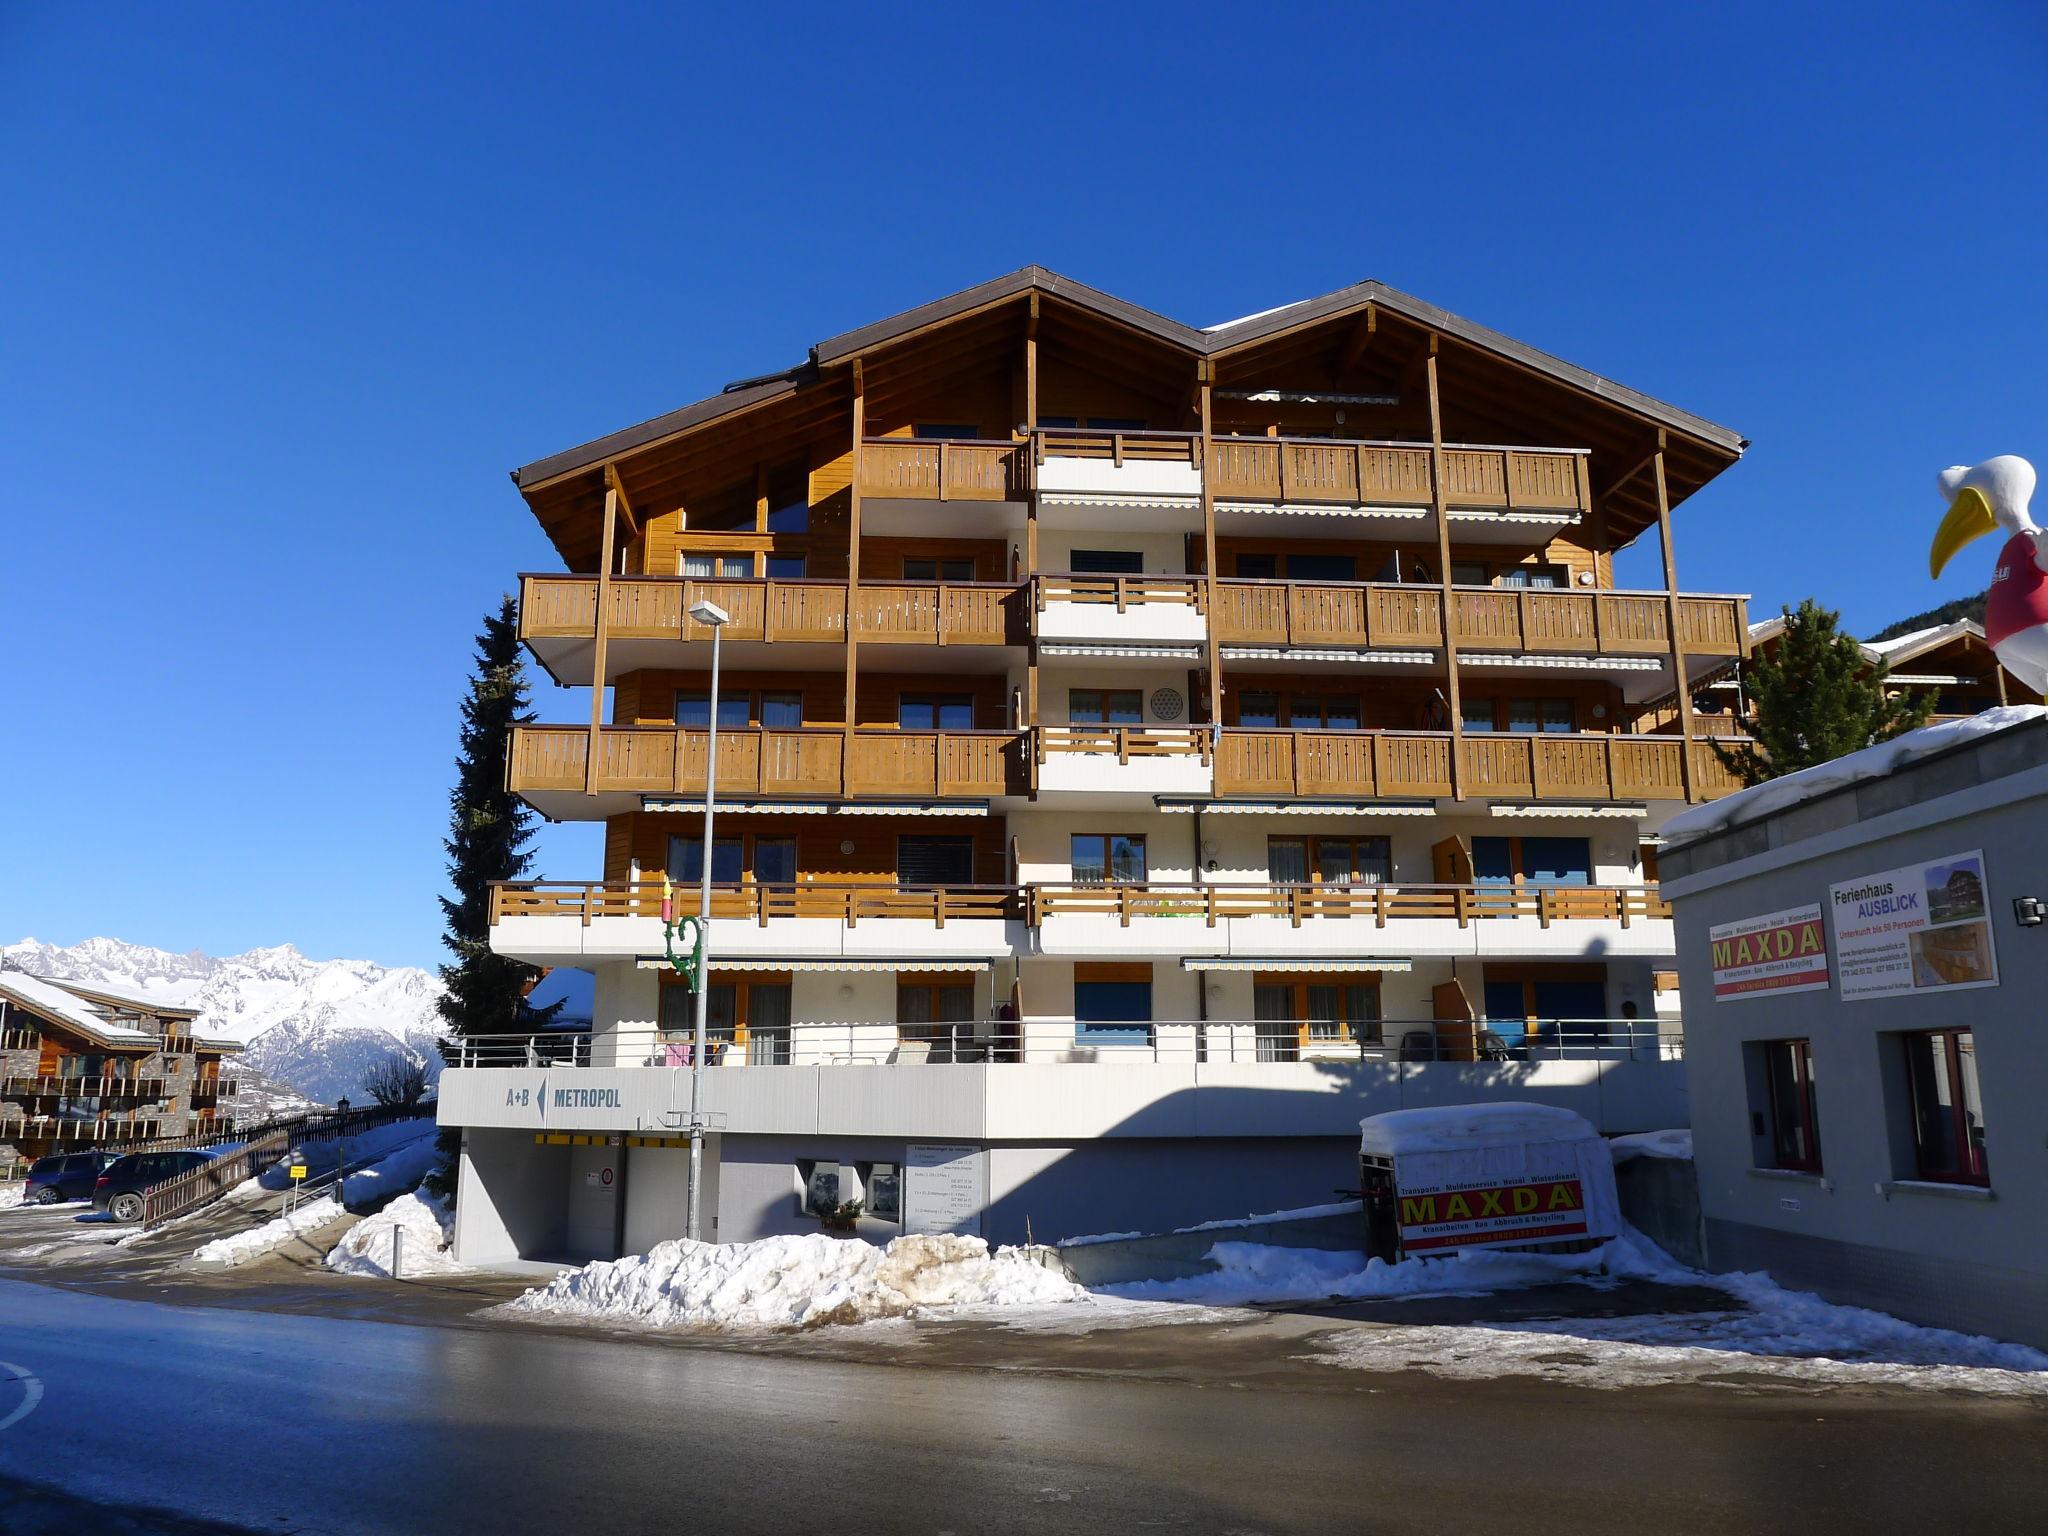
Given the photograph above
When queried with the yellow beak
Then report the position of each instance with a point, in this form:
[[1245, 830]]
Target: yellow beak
[[1968, 517]]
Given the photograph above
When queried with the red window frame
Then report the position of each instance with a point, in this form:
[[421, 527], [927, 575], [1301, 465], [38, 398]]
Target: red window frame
[[1973, 1164], [1799, 1112]]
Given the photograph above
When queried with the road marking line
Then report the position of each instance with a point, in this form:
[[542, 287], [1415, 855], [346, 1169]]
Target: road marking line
[[31, 1394]]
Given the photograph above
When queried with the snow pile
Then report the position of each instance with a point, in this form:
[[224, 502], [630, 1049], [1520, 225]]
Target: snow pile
[[1871, 763], [1771, 1332], [424, 1228], [1652, 1144], [241, 1247], [399, 1171], [808, 1281], [1255, 1272], [11, 1193]]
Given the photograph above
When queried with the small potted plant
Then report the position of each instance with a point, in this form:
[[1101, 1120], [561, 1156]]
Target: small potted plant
[[842, 1217]]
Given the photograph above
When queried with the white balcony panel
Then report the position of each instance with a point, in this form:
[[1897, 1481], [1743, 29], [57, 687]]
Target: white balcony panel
[[1177, 773], [1106, 480], [566, 940], [1101, 934], [1138, 624]]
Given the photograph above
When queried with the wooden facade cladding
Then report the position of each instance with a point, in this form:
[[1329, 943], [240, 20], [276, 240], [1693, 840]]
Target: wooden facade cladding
[[1528, 620], [1417, 765], [793, 764]]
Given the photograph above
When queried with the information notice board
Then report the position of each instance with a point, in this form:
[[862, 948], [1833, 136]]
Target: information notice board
[[944, 1189], [1921, 928]]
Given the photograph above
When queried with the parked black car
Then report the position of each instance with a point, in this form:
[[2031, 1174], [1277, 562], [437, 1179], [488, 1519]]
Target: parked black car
[[67, 1176], [120, 1188]]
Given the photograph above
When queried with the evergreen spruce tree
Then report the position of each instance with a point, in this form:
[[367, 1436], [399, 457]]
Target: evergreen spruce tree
[[488, 830], [1815, 699]]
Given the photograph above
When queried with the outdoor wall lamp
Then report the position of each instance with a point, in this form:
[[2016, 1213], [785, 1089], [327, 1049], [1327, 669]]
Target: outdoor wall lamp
[[2029, 911]]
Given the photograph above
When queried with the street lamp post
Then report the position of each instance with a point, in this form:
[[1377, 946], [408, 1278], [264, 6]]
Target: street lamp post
[[705, 612]]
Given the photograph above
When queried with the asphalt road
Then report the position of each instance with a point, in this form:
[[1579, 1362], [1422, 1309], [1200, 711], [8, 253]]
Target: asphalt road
[[150, 1417]]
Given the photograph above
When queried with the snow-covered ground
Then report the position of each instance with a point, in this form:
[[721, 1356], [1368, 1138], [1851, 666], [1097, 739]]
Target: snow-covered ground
[[241, 1247], [424, 1226], [804, 1281], [1652, 1144], [398, 1170]]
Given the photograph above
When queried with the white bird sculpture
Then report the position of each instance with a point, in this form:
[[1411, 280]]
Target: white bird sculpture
[[1981, 499]]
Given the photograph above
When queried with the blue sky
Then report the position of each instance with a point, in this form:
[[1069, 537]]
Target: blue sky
[[285, 290]]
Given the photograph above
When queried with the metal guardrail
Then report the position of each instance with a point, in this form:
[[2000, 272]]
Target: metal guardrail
[[1062, 1042]]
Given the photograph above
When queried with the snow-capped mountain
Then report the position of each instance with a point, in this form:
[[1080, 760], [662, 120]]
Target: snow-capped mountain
[[313, 1025]]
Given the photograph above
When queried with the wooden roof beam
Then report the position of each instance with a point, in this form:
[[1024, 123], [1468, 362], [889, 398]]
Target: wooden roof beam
[[612, 480]]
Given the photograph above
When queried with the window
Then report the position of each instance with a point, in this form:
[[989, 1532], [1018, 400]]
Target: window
[[789, 498], [1108, 858], [735, 710], [1105, 706], [1539, 715], [926, 861], [725, 567], [1794, 1127], [787, 567], [779, 711], [935, 711], [1113, 1001], [1258, 708], [1544, 576], [1468, 573], [775, 861], [1948, 1112], [884, 1185], [817, 1187], [1258, 567], [940, 1012], [1329, 860], [943, 429], [1107, 562], [951, 568], [1477, 714], [1322, 567], [1322, 711], [1297, 1012], [745, 1012], [1532, 860], [686, 860]]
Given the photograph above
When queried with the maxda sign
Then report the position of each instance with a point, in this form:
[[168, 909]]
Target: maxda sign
[[1775, 953]]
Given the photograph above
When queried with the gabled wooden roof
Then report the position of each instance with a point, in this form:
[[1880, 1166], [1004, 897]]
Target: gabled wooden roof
[[1492, 380]]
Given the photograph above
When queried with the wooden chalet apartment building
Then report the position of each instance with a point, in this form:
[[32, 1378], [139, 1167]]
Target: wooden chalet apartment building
[[1102, 690], [85, 1067]]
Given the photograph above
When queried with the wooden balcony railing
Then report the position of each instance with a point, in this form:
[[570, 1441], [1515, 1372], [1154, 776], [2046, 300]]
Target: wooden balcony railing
[[1125, 742], [853, 903], [67, 1085], [1319, 470], [1520, 619], [657, 608], [660, 759], [1119, 447], [953, 469], [1462, 904], [1398, 764], [845, 902], [1123, 591]]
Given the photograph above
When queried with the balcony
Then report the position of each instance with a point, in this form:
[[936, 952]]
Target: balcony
[[1491, 493], [1120, 610], [1124, 759], [1396, 920], [1522, 620], [548, 765], [772, 621], [1417, 765], [952, 469], [818, 925], [67, 1085]]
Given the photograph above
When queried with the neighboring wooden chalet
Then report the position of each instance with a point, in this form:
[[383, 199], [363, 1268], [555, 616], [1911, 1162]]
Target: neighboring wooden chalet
[[85, 1065]]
